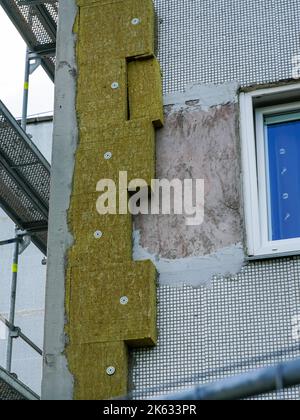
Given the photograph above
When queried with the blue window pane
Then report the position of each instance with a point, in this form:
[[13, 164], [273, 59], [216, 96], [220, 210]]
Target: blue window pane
[[283, 145]]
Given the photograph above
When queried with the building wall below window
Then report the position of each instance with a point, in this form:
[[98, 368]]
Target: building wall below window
[[218, 314], [234, 325]]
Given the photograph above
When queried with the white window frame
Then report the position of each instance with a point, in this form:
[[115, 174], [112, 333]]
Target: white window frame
[[254, 165]]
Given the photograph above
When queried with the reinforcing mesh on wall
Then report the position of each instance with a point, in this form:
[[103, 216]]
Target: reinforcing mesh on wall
[[214, 41], [243, 322], [238, 324]]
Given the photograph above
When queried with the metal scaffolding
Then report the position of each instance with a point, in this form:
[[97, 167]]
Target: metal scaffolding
[[21, 241], [36, 20], [12, 389], [24, 172], [24, 180]]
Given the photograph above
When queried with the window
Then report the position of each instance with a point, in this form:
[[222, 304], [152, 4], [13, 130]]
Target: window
[[271, 170]]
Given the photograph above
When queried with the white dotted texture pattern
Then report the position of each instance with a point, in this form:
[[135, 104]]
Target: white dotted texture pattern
[[239, 324], [214, 41]]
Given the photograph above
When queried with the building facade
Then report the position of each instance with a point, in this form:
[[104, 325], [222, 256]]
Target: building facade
[[228, 293]]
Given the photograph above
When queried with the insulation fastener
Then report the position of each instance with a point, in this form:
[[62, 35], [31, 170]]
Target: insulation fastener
[[98, 234], [124, 300], [107, 155], [135, 21], [111, 370], [115, 85]]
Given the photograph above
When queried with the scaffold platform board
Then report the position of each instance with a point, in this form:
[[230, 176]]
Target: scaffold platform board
[[24, 180]]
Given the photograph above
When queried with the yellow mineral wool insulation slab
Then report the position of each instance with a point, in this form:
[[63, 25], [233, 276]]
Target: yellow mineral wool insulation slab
[[101, 370], [119, 29], [110, 300], [145, 90], [113, 302]]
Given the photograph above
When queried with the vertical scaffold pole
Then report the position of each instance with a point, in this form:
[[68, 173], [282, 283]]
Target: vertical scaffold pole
[[25, 92], [12, 303]]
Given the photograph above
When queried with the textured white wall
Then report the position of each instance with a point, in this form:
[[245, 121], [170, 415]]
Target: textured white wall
[[31, 286]]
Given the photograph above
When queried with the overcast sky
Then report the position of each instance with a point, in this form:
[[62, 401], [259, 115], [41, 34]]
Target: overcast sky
[[12, 53]]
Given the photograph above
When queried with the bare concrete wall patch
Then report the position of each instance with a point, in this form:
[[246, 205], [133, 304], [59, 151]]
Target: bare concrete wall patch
[[193, 271]]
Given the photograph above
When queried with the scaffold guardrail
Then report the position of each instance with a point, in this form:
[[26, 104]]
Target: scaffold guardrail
[[24, 180], [36, 21]]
